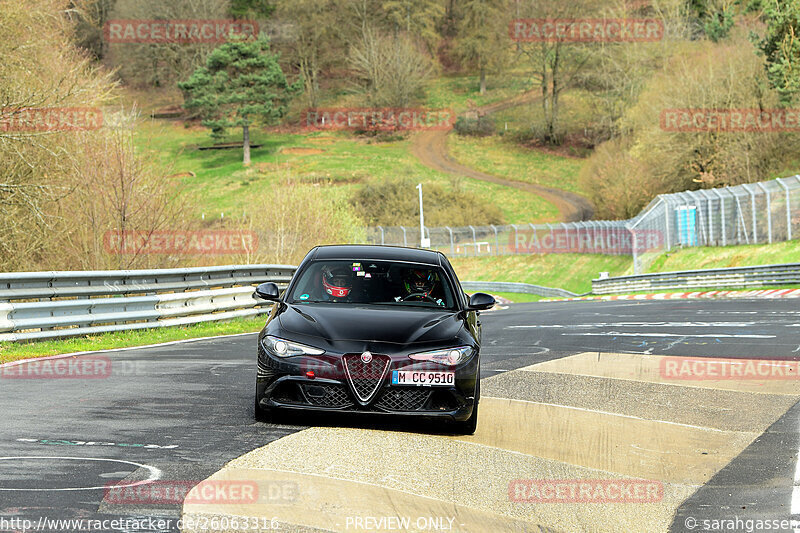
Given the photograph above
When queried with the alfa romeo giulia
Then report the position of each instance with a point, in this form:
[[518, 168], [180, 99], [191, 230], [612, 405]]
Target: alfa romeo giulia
[[372, 329]]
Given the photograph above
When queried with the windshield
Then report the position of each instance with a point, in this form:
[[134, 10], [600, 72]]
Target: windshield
[[374, 282]]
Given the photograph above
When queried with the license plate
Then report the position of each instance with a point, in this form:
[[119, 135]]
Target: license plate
[[423, 378]]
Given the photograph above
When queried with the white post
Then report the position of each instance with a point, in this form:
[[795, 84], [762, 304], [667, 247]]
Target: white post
[[722, 216], [752, 211], [667, 221], [769, 210], [422, 242], [709, 217], [788, 210]]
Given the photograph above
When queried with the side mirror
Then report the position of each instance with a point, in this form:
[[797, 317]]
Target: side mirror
[[268, 291], [480, 301]]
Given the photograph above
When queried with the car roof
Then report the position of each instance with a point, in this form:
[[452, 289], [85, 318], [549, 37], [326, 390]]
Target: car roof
[[385, 253]]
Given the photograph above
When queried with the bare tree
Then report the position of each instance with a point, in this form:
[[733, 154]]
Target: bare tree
[[391, 70], [161, 64]]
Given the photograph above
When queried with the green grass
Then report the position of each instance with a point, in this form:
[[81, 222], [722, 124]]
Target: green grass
[[730, 256], [518, 297], [338, 161], [504, 158], [573, 272], [123, 339], [463, 92]]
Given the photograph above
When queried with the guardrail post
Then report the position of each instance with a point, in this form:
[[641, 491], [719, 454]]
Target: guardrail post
[[769, 211], [788, 210]]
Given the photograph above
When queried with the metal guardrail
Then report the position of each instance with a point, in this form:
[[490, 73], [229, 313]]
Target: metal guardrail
[[48, 305], [88, 283], [524, 288], [737, 277]]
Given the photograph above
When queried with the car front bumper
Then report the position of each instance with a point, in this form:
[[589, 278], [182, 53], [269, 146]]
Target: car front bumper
[[283, 384]]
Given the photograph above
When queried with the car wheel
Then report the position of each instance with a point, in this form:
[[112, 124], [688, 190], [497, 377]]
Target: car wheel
[[468, 426]]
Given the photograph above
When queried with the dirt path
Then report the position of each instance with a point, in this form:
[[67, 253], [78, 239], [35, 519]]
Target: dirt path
[[430, 147]]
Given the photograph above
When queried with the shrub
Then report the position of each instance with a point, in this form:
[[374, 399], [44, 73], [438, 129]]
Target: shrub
[[482, 126], [396, 203]]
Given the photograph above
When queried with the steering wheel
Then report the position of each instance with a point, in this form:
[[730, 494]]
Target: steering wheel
[[420, 295]]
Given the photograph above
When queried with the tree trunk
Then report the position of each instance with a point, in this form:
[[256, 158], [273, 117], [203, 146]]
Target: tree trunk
[[246, 135], [483, 79]]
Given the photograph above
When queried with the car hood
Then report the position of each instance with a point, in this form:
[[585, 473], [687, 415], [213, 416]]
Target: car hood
[[371, 323]]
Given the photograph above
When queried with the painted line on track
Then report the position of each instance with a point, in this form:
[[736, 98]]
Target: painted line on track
[[155, 473]]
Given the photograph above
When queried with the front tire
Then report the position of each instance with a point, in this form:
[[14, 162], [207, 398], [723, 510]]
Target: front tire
[[468, 426]]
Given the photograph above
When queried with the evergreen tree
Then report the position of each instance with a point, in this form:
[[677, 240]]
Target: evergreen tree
[[241, 81]]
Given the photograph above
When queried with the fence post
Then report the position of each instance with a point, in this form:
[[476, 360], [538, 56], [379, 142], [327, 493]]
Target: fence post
[[769, 211], [535, 237], [405, 240], [722, 216], [752, 210], [709, 217], [496, 241], [383, 239], [474, 242], [666, 220], [452, 244], [740, 218], [636, 267], [516, 239], [788, 210]]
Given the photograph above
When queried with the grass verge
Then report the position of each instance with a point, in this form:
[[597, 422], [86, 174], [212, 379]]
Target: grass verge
[[573, 272], [10, 351]]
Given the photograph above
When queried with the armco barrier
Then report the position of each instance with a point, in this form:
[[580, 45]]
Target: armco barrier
[[46, 305], [738, 277], [49, 305], [524, 288]]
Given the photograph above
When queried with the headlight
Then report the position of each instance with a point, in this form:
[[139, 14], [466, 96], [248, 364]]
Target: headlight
[[449, 356], [283, 348]]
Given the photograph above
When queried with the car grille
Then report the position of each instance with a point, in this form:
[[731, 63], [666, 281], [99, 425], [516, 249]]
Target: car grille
[[403, 399], [365, 378], [326, 395]]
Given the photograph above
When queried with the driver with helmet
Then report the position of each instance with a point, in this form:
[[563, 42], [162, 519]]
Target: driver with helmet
[[337, 282], [419, 285]]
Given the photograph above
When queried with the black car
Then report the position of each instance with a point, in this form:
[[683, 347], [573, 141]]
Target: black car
[[372, 329]]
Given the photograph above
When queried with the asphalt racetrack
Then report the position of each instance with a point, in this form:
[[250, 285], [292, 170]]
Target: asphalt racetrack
[[609, 393]]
